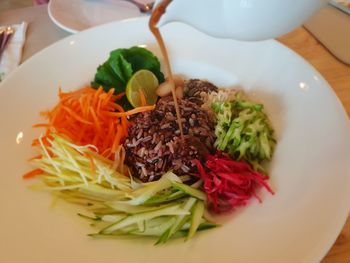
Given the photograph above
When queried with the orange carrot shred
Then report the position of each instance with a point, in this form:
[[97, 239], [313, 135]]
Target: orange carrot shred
[[94, 117], [41, 125], [125, 125], [143, 98], [107, 153], [119, 108], [119, 96], [35, 157], [32, 173], [75, 115], [117, 138], [132, 112]]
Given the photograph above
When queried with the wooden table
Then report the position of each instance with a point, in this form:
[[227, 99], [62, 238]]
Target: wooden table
[[338, 76], [42, 32]]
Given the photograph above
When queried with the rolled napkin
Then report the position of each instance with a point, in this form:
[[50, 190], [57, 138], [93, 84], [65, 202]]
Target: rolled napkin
[[12, 54]]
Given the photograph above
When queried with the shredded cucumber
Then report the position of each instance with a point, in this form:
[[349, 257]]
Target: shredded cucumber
[[141, 195], [180, 220], [190, 190], [119, 206], [197, 214], [243, 130], [170, 210]]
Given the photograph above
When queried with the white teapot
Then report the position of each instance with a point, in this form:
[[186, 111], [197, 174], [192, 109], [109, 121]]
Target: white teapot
[[241, 19]]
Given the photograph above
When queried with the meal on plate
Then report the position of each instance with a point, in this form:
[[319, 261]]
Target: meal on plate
[[146, 160]]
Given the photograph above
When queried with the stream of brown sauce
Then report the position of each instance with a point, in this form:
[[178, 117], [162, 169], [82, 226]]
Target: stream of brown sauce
[[155, 17]]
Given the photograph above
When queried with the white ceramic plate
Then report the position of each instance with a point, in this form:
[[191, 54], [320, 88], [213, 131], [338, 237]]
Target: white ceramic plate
[[77, 15], [310, 170]]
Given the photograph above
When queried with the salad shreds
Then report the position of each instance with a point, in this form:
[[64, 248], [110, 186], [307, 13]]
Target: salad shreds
[[78, 175], [131, 170]]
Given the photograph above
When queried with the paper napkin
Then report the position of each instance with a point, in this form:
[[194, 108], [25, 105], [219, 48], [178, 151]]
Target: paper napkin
[[12, 55]]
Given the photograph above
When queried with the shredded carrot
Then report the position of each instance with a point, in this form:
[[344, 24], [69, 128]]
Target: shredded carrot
[[107, 153], [125, 124], [35, 157], [119, 96], [117, 138], [36, 142], [41, 125], [118, 107], [133, 111], [32, 173], [75, 115], [143, 98], [90, 116]]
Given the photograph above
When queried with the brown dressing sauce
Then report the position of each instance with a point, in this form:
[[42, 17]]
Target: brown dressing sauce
[[155, 17]]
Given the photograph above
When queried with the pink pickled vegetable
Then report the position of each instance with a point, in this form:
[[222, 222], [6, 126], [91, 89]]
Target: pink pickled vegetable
[[229, 183]]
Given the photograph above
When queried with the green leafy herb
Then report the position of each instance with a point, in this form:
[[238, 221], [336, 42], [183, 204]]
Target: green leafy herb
[[121, 65]]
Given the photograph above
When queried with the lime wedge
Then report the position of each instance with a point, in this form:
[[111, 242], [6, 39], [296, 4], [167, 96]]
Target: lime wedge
[[141, 88]]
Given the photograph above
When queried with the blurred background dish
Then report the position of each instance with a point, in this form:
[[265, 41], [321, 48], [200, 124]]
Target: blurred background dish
[[78, 15]]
